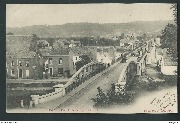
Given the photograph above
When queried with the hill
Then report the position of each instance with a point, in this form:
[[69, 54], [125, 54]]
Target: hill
[[91, 29]]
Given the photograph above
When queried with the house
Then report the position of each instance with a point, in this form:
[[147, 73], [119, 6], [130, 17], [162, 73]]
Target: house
[[128, 43], [21, 59], [168, 64], [106, 54], [60, 64], [74, 43], [42, 43]]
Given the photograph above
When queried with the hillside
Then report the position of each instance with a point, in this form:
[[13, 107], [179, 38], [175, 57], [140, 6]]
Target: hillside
[[91, 29]]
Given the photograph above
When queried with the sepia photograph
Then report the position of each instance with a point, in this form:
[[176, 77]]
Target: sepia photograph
[[112, 58]]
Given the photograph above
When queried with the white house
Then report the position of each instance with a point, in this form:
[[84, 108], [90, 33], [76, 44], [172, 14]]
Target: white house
[[168, 67], [105, 54]]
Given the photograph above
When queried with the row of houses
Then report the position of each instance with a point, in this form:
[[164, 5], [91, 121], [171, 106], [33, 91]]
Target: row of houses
[[25, 60]]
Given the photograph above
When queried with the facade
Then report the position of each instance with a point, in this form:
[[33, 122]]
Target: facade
[[23, 68], [60, 65], [168, 64], [106, 55], [21, 61]]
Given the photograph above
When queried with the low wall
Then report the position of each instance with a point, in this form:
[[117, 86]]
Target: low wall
[[48, 97], [168, 70]]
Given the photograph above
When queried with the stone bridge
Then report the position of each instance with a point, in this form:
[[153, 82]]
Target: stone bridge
[[135, 66]]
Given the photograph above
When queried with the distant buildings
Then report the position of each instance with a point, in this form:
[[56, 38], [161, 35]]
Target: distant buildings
[[127, 43], [74, 43], [29, 57], [42, 43]]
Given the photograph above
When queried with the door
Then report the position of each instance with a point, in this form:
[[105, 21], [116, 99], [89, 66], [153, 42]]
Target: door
[[27, 73], [20, 73], [51, 71]]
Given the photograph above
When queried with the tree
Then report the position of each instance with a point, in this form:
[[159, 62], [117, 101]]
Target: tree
[[122, 36], [50, 41], [40, 45], [33, 44], [84, 60], [174, 8], [169, 36]]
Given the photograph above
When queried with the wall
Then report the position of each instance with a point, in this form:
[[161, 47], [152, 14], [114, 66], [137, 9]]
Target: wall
[[168, 70], [158, 41], [50, 96]]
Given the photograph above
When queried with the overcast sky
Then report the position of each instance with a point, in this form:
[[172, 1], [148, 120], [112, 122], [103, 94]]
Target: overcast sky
[[20, 15]]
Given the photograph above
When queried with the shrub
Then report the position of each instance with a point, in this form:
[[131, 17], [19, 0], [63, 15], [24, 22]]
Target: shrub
[[112, 96]]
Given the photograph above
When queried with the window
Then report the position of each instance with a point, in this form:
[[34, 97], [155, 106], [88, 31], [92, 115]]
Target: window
[[20, 63], [27, 63], [106, 50], [98, 50], [12, 72], [60, 60], [27, 73], [12, 63], [60, 70], [101, 60], [50, 61], [76, 58]]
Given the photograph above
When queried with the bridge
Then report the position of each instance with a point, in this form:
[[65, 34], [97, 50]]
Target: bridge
[[82, 86]]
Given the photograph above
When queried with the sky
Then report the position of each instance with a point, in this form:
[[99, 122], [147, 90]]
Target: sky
[[20, 15]]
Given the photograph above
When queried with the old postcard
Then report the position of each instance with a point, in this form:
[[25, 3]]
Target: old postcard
[[91, 58]]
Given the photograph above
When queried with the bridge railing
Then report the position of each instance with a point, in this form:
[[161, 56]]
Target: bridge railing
[[84, 73]]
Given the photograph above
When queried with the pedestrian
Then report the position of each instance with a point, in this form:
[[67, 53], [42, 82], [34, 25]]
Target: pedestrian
[[22, 103]]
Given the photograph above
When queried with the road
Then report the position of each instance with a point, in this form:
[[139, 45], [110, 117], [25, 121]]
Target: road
[[82, 100]]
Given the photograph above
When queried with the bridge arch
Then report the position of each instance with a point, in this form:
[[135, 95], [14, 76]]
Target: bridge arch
[[127, 73], [134, 67]]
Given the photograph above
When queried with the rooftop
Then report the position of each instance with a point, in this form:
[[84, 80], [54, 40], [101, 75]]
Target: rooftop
[[18, 46]]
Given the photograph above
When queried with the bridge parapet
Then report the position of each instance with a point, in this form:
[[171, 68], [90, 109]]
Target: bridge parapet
[[127, 70], [87, 71]]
